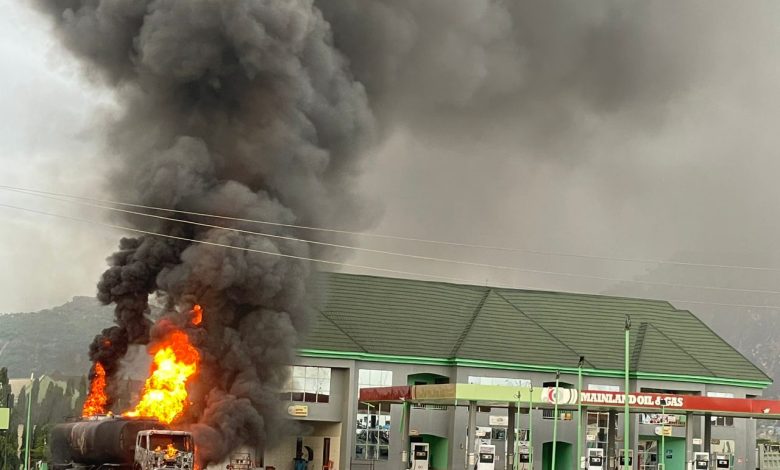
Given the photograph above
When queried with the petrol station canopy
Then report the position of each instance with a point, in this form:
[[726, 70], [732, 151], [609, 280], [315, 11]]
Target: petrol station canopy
[[545, 397]]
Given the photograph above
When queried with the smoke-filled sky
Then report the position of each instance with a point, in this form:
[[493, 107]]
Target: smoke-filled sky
[[624, 129]]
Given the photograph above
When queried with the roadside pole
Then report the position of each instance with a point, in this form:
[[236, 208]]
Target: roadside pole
[[626, 416], [662, 459], [531, 428], [516, 443], [27, 426], [555, 418], [579, 465]]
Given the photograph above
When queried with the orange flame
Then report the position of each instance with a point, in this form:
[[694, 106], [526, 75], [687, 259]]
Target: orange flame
[[95, 404], [170, 451], [197, 314], [165, 393]]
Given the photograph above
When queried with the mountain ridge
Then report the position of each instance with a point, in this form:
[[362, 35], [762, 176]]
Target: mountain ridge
[[56, 340]]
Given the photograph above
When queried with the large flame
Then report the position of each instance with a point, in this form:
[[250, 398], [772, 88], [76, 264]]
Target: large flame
[[164, 395], [95, 403], [170, 451]]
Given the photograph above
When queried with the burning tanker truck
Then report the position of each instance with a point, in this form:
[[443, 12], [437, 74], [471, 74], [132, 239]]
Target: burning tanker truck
[[120, 443], [142, 438]]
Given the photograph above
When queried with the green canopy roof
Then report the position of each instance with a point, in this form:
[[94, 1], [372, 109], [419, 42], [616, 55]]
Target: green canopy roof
[[405, 320]]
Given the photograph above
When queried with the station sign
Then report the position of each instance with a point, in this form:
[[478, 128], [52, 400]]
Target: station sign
[[565, 396], [547, 397], [672, 403], [5, 418], [300, 411], [498, 420], [638, 399]]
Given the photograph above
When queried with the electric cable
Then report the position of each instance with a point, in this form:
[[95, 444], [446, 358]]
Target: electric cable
[[349, 265], [420, 257], [253, 250], [403, 238]]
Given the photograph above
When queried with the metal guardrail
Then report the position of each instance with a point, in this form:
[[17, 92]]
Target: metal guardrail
[[769, 457]]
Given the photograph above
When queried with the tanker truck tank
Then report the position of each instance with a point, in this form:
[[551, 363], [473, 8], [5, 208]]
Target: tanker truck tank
[[110, 442]]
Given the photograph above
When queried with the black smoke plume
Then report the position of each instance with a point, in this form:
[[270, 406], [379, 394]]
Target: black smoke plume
[[248, 108], [235, 107]]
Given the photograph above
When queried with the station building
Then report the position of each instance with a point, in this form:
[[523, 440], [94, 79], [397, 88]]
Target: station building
[[452, 352]]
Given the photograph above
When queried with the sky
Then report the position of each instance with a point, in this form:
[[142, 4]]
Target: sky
[[656, 141], [45, 143]]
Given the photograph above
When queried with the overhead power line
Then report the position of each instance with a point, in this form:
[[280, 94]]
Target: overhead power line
[[403, 238], [205, 242], [342, 264], [412, 256]]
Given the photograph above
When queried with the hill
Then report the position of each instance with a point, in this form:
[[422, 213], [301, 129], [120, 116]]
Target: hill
[[56, 340], [754, 334], [52, 341]]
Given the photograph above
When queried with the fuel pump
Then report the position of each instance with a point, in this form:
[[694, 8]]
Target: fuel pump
[[420, 456], [486, 459], [723, 461], [622, 464], [701, 460], [524, 457], [595, 459]]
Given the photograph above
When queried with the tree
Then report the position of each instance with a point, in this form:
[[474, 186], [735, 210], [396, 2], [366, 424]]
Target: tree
[[8, 456], [11, 447], [38, 442], [51, 403], [6, 397]]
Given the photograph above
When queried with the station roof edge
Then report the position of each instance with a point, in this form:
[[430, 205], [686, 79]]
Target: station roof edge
[[587, 372]]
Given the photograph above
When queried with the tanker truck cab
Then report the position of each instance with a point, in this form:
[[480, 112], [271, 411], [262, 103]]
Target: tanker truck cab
[[157, 449]]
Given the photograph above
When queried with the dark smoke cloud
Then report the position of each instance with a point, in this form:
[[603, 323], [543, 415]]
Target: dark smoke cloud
[[485, 61], [524, 123], [236, 107], [609, 127]]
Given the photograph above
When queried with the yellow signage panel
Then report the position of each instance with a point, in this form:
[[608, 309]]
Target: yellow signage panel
[[495, 393], [5, 418], [300, 411]]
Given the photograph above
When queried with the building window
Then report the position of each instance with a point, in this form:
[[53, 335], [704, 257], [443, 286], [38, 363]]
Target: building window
[[563, 415], [308, 384], [373, 432], [721, 420], [720, 394], [659, 418], [505, 381], [373, 421], [374, 378], [603, 388], [597, 429], [648, 455]]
